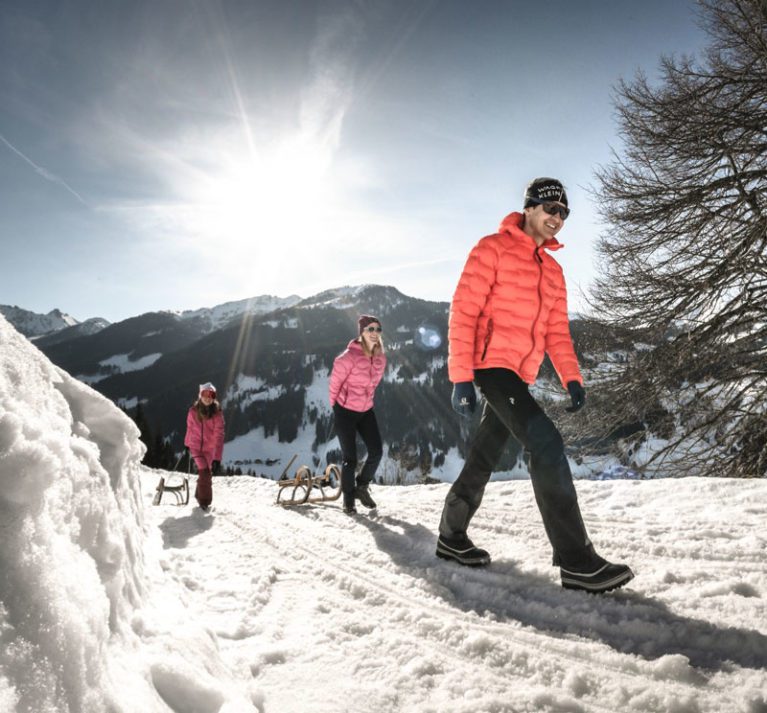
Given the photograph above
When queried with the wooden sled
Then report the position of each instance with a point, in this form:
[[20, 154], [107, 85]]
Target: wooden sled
[[180, 491], [308, 487]]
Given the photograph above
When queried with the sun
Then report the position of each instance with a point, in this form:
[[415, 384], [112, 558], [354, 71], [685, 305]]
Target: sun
[[248, 202]]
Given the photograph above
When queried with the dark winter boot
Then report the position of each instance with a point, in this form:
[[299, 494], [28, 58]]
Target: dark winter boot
[[602, 579], [457, 514], [347, 483], [349, 508], [462, 550], [362, 493], [203, 493]]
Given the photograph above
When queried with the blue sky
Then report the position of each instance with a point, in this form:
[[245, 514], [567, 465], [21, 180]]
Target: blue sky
[[177, 154]]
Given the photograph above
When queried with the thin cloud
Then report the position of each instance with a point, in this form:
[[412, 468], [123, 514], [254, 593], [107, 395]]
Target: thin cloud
[[329, 92], [44, 172]]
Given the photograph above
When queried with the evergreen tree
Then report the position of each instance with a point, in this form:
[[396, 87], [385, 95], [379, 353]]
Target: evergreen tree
[[144, 433]]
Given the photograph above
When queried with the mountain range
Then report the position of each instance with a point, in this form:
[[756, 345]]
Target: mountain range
[[32, 324], [270, 359]]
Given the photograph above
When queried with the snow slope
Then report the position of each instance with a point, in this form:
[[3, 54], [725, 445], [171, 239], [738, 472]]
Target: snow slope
[[89, 622], [328, 613]]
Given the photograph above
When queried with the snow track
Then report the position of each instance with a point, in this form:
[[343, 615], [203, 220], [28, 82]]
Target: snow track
[[326, 613]]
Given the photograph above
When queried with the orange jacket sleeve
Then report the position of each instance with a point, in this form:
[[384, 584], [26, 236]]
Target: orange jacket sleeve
[[559, 343], [474, 285]]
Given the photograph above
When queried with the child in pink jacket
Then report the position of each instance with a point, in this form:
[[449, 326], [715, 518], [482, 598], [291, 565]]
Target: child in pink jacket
[[205, 440], [353, 381]]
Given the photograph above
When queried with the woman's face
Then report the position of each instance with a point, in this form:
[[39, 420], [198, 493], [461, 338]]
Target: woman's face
[[371, 335], [207, 397]]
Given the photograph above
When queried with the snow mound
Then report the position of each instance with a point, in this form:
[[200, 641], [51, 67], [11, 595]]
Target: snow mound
[[73, 556]]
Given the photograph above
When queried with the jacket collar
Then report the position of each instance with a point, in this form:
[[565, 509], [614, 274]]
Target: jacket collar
[[512, 223]]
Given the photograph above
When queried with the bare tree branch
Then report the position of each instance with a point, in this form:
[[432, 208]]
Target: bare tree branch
[[686, 257]]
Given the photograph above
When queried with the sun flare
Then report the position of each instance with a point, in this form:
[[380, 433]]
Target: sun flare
[[253, 200]]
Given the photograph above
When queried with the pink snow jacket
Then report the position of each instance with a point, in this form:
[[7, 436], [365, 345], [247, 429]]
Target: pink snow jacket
[[205, 438], [354, 378]]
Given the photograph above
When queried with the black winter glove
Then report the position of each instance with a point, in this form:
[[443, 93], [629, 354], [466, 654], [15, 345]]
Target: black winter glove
[[464, 399], [216, 467], [577, 395]]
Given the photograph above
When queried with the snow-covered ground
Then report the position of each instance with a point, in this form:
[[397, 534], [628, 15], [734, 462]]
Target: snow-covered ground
[[89, 621], [110, 604], [323, 612], [122, 363]]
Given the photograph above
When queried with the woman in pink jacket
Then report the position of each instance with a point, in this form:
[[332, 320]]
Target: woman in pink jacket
[[353, 381], [205, 440]]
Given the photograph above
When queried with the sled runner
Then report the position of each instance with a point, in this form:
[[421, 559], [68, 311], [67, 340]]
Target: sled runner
[[298, 489], [180, 490]]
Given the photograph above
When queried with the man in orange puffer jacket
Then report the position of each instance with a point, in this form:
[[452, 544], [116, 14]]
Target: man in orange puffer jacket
[[509, 309]]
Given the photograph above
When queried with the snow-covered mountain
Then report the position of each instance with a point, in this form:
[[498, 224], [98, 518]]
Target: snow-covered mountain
[[57, 327], [82, 329], [32, 324], [218, 316], [272, 370], [349, 297], [110, 604]]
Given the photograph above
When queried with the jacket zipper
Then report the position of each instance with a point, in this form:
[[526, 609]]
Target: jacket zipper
[[370, 379], [488, 337], [539, 262]]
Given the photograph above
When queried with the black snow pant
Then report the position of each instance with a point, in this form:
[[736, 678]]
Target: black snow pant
[[510, 410], [348, 423]]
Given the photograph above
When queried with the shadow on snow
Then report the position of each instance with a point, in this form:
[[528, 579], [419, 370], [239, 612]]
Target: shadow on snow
[[177, 531], [626, 620]]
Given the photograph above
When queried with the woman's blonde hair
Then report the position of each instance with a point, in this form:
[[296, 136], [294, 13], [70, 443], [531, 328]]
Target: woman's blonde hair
[[205, 412], [379, 346]]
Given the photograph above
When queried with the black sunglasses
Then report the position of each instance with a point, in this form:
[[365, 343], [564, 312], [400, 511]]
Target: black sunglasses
[[552, 208], [373, 329]]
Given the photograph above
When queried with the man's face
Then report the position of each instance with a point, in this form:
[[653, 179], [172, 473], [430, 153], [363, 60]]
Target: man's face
[[541, 226]]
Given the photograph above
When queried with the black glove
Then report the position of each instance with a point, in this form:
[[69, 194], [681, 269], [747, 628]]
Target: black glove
[[577, 395], [464, 398], [216, 467]]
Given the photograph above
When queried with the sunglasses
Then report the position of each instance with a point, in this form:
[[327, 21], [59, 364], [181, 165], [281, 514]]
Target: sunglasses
[[553, 208], [208, 394], [373, 329]]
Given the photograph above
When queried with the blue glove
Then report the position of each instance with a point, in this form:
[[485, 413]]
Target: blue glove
[[577, 396], [464, 398]]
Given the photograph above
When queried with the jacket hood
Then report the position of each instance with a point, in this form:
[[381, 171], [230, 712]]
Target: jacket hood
[[512, 224]]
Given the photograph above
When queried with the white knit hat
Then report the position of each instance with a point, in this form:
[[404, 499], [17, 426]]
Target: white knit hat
[[207, 386]]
